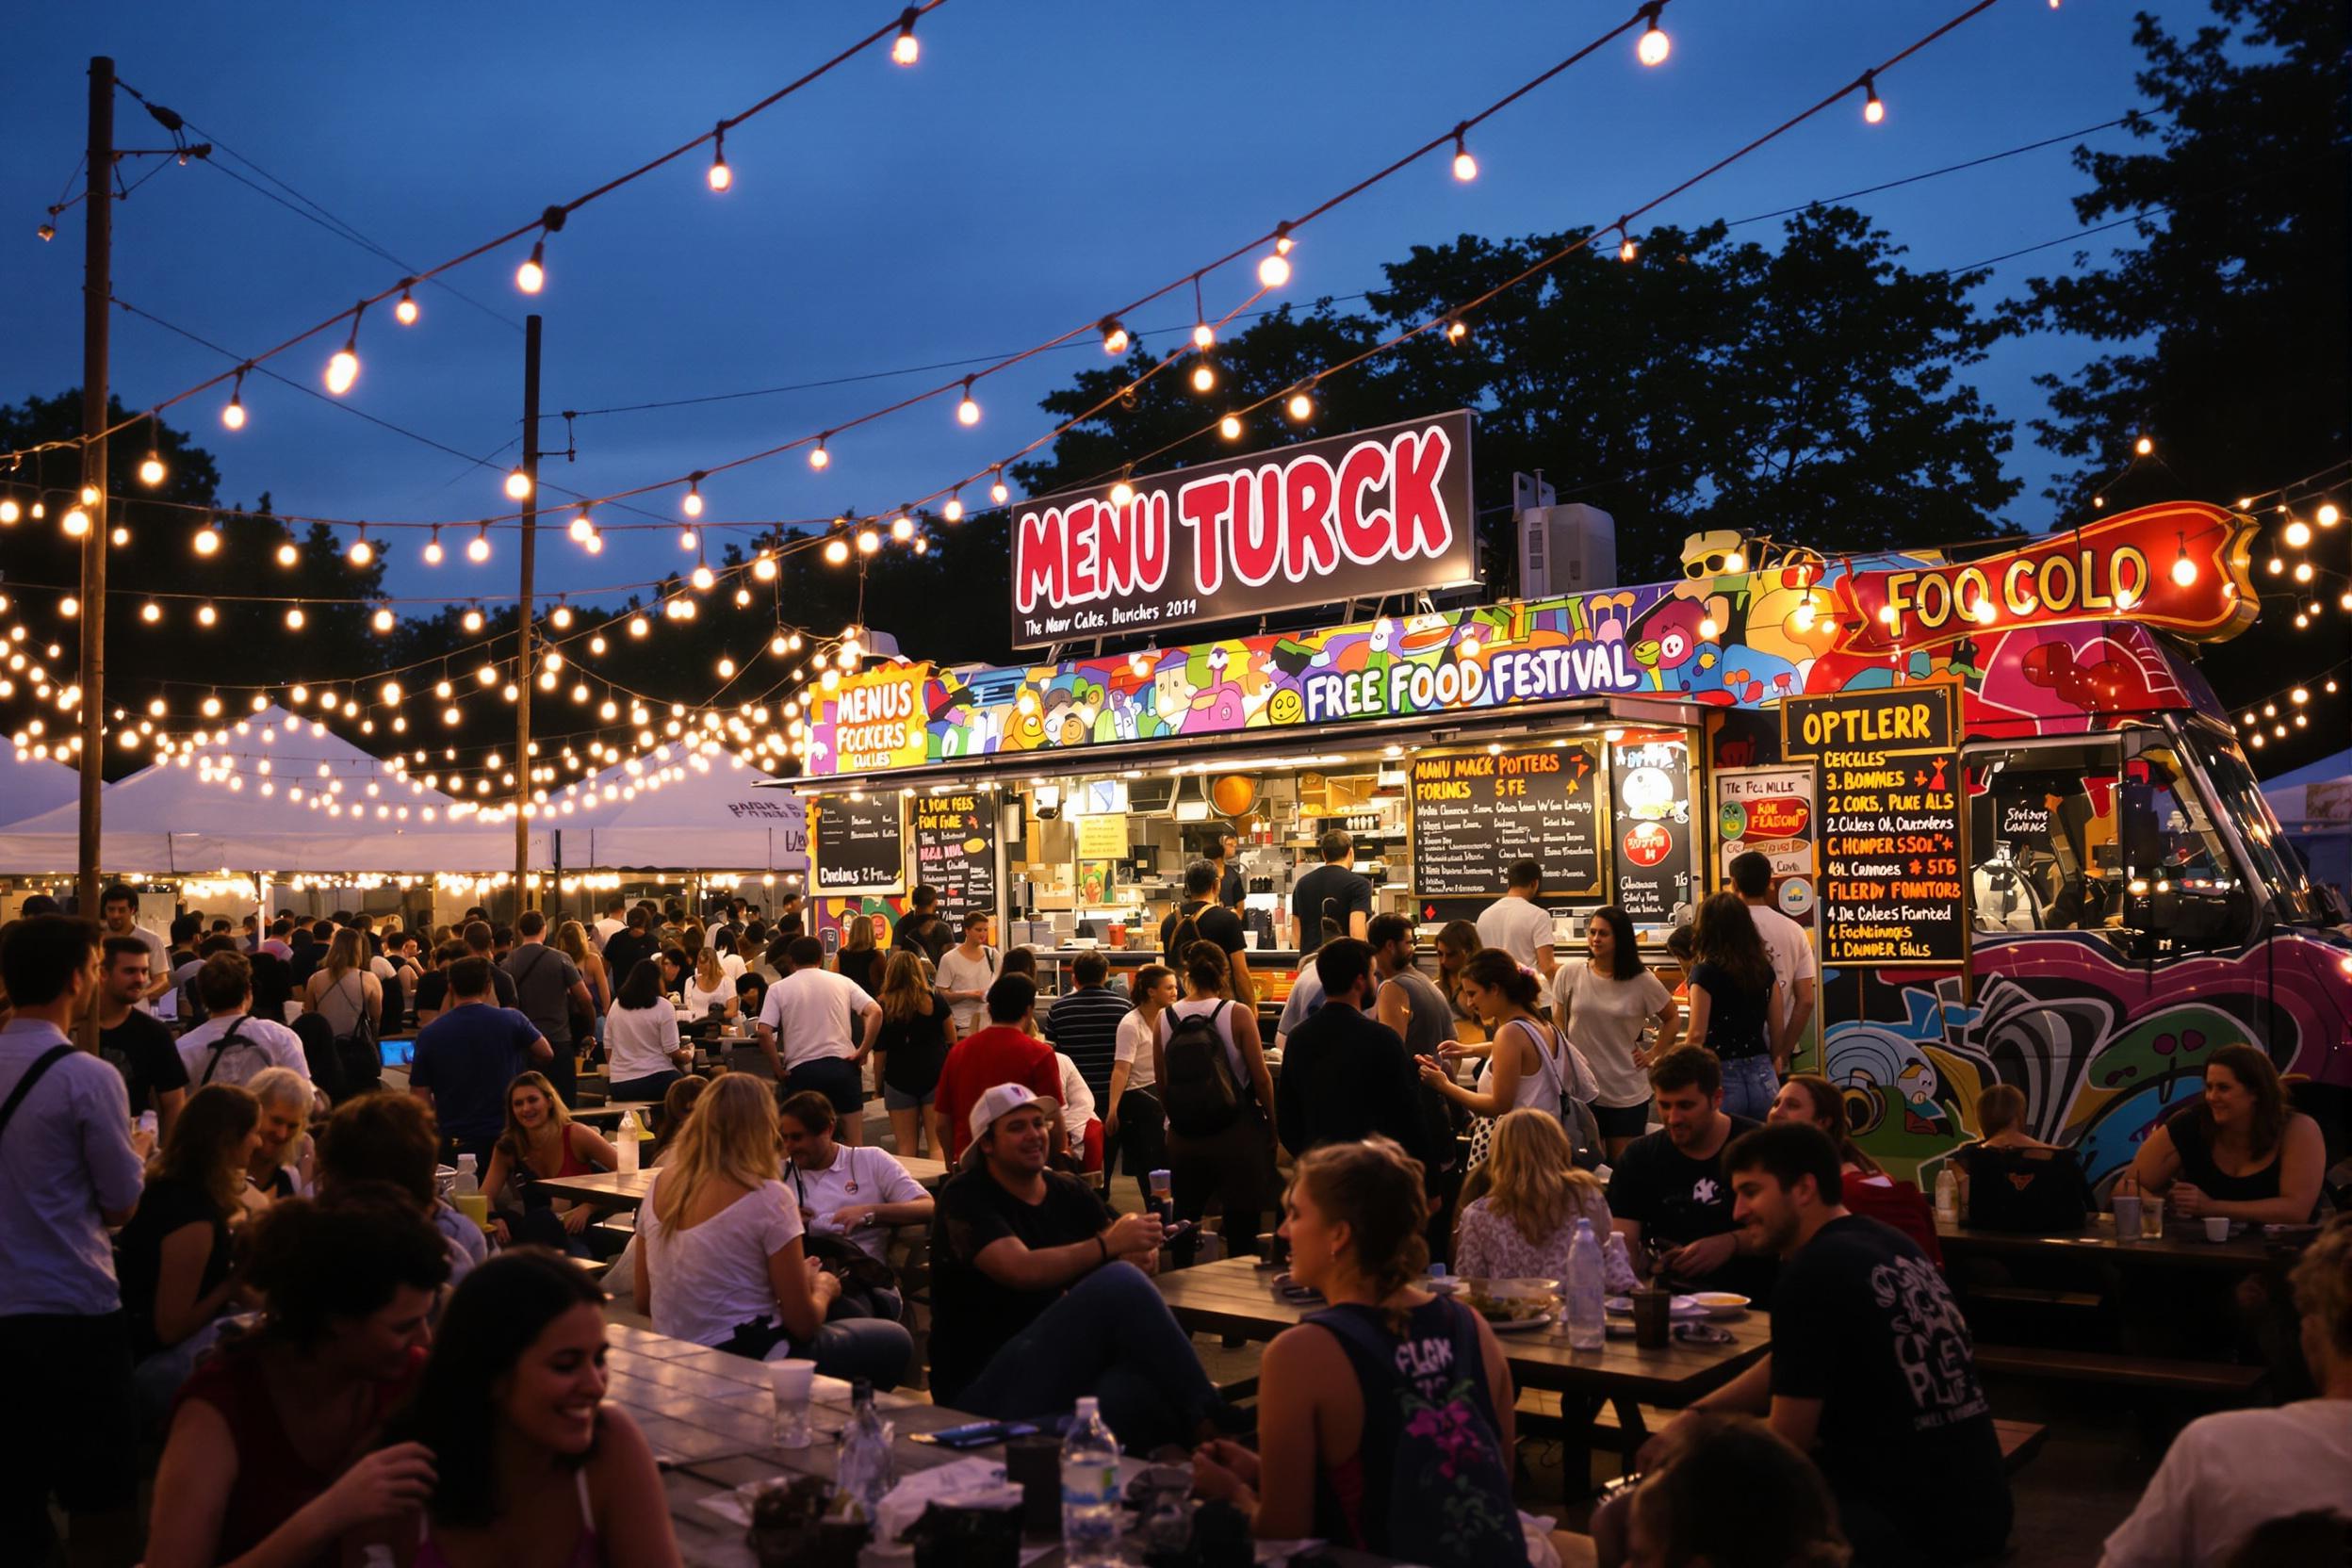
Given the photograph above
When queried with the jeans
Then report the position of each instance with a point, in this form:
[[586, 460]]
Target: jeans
[[1749, 1086], [1110, 1335], [855, 1347], [1142, 1138]]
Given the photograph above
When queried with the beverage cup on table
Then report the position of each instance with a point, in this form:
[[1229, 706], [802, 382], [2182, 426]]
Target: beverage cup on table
[[2152, 1218], [475, 1206], [793, 1384], [2216, 1227], [2127, 1217], [1163, 1196], [1652, 1313]]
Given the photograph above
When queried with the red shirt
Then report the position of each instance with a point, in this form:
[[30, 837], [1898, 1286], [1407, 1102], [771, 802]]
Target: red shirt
[[998, 1054]]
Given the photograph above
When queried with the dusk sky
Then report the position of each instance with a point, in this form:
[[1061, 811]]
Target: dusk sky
[[1040, 164]]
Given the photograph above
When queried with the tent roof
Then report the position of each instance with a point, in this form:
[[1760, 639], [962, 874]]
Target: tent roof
[[2320, 772], [272, 792], [36, 784], [676, 807]]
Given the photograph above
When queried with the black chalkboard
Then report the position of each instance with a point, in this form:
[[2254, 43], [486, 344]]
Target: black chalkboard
[[1890, 860], [857, 847], [1474, 814], [1651, 828], [955, 851]]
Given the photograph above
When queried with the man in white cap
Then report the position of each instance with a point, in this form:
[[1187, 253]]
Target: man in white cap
[[1040, 1293]]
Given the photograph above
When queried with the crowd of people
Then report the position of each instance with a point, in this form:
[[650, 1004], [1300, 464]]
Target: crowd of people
[[268, 1283]]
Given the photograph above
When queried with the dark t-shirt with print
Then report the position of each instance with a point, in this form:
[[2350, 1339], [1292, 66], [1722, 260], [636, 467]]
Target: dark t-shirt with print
[[973, 1315], [1332, 891], [142, 1052], [1214, 922], [1864, 1323], [1679, 1199]]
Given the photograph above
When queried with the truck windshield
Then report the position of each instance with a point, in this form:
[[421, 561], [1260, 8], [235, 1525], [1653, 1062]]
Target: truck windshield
[[2239, 799]]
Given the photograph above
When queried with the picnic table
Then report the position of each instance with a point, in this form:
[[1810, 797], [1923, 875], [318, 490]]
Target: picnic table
[[2179, 1246], [613, 1190], [710, 1419], [612, 1110]]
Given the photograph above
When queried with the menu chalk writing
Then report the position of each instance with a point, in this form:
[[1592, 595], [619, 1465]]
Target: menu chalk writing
[[1652, 829], [859, 849], [1892, 886], [954, 834], [1477, 814]]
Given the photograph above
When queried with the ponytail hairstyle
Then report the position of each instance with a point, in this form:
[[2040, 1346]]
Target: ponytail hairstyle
[[1492, 968], [1377, 1190], [1206, 968]]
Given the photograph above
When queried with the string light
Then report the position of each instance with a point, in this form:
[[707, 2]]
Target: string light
[[1115, 338], [835, 552], [999, 491], [1465, 167], [2327, 515], [151, 612], [1205, 377], [817, 456], [207, 541], [1274, 267], [432, 547], [1655, 45], [1874, 111], [702, 579], [720, 176], [968, 411], [343, 370], [9, 511], [478, 547], [531, 277], [384, 620], [639, 626], [471, 620], [1230, 427], [1123, 493], [233, 413], [904, 49], [405, 312], [582, 527], [2144, 446], [868, 541], [1300, 407], [2298, 533], [75, 522], [2183, 569], [288, 555], [688, 539], [151, 470], [518, 486], [561, 618], [1626, 249], [361, 552], [1456, 331], [952, 510], [295, 618]]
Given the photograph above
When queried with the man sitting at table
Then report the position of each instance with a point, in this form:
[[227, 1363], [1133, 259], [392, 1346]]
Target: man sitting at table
[[1003, 1052], [1040, 1293], [1871, 1371], [466, 1057], [1668, 1187]]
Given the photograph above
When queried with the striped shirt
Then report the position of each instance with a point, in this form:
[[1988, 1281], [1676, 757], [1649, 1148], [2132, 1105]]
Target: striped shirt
[[1083, 1027]]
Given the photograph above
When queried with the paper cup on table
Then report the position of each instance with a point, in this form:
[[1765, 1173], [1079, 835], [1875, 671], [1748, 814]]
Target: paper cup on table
[[2127, 1217], [792, 1382], [2216, 1228]]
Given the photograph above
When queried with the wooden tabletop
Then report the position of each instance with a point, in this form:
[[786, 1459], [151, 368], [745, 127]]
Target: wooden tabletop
[[613, 1109], [1234, 1295], [2182, 1246], [615, 1189]]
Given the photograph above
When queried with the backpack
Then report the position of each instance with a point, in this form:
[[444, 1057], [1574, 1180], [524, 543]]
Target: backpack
[[356, 1061], [249, 1060], [1445, 1498], [1198, 1089]]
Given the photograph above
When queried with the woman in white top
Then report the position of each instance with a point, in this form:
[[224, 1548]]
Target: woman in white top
[[719, 1260], [1135, 1130], [1528, 1064], [343, 991], [1601, 1002], [710, 984], [643, 1052], [1236, 1163]]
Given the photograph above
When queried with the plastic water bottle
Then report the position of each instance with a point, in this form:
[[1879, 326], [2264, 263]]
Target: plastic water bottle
[[467, 1183], [1584, 1307], [1090, 1514], [626, 1142], [1947, 1195], [863, 1471]]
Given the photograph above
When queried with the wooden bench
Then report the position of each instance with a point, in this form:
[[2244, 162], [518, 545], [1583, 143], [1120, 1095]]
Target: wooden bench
[[2205, 1379], [2035, 1296]]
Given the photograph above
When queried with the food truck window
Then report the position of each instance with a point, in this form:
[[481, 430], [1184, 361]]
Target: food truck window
[[2042, 837], [2239, 799]]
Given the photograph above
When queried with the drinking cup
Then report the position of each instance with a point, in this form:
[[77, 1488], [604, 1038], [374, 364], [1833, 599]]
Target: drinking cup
[[2151, 1219], [1652, 1314], [793, 1384], [2216, 1228], [2127, 1217]]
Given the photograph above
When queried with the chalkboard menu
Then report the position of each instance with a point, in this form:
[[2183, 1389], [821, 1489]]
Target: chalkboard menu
[[1477, 814], [1651, 827], [1891, 859], [955, 851], [858, 846]]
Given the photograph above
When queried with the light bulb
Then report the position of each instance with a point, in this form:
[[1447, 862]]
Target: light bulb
[[2302, 571], [764, 567], [287, 554], [206, 614], [212, 707], [432, 549], [999, 492], [968, 411], [835, 552], [151, 470], [1456, 332], [817, 456], [1628, 250], [518, 486], [1230, 427], [954, 510], [383, 620], [1465, 167], [1203, 377], [478, 547], [2327, 515], [727, 669], [233, 415], [692, 505], [1203, 335], [405, 312], [1273, 270], [1300, 407], [582, 528], [450, 714], [720, 175], [1122, 494], [471, 620], [596, 544], [1873, 112], [206, 541], [902, 529], [75, 522], [361, 551], [904, 49], [487, 675], [532, 276], [9, 511], [294, 618], [688, 539], [343, 370], [702, 579], [151, 612], [1115, 338], [561, 616], [639, 626], [868, 541], [1655, 45], [2298, 533]]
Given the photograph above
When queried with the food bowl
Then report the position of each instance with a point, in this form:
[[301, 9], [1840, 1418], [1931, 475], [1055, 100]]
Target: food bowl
[[1720, 1303]]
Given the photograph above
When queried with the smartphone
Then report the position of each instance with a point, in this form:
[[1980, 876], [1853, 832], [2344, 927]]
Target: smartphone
[[1177, 1231], [977, 1434]]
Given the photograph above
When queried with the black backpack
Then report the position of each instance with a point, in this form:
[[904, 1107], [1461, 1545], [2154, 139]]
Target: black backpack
[[352, 1064], [1198, 1089]]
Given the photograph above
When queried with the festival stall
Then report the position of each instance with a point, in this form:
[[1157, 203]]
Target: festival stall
[[2314, 804], [675, 808]]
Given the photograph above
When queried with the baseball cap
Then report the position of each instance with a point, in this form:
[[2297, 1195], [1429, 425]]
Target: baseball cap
[[996, 1103]]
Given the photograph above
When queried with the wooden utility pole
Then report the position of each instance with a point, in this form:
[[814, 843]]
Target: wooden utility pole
[[524, 676], [97, 295]]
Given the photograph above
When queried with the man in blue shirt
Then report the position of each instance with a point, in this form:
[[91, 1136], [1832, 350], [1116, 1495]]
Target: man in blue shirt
[[70, 1166], [467, 1056]]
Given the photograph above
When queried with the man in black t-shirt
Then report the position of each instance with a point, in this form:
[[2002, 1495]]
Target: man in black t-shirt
[[1871, 1370], [1668, 1187], [1040, 1295], [630, 946], [922, 929], [140, 1047], [1229, 888], [1216, 923], [1345, 1075], [1331, 891]]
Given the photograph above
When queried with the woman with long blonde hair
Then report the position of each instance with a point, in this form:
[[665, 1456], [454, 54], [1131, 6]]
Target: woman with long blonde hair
[[542, 1140], [917, 1030], [1522, 1225], [345, 992], [720, 1259], [571, 940], [709, 985]]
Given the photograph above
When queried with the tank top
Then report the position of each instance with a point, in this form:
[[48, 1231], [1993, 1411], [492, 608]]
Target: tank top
[[1224, 1024], [2199, 1168], [345, 1002], [584, 1552], [1542, 1088]]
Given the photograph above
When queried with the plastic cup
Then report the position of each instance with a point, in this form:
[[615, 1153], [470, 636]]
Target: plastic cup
[[2216, 1227], [792, 1382], [2151, 1219], [2127, 1217], [1651, 1315], [476, 1207]]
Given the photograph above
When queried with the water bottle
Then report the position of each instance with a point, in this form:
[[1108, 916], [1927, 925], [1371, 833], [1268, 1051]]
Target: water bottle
[[1090, 1514], [467, 1183], [863, 1470], [1947, 1195], [1584, 1307], [626, 1142]]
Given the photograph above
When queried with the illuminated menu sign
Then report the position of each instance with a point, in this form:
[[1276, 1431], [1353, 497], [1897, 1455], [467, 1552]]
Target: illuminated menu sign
[[954, 834], [1650, 830], [1887, 778], [860, 847], [1477, 814]]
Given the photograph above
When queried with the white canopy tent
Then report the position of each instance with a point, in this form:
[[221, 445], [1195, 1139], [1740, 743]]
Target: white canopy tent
[[278, 794], [36, 784], [678, 810], [2314, 805]]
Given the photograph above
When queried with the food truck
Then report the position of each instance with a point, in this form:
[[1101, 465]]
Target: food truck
[[1991, 782]]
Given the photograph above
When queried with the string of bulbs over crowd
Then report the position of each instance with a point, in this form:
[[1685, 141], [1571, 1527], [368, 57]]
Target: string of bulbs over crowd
[[863, 536]]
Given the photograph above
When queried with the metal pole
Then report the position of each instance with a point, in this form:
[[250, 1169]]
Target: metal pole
[[522, 672], [97, 290]]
